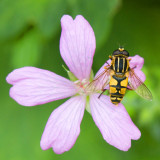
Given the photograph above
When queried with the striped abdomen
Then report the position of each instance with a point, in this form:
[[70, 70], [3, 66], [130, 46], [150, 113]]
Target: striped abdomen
[[120, 64], [118, 87]]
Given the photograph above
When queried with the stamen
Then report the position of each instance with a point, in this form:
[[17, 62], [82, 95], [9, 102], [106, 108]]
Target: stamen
[[82, 87]]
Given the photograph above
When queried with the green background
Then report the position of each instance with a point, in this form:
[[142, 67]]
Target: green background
[[29, 36]]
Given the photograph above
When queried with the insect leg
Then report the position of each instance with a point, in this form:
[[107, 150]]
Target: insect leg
[[107, 63], [110, 57], [102, 93]]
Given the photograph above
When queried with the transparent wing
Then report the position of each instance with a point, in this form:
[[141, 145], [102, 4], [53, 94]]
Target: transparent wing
[[138, 86], [100, 81]]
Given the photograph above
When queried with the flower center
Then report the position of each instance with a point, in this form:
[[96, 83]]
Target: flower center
[[83, 87]]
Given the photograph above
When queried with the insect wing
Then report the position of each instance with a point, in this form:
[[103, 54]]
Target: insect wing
[[100, 81], [138, 86]]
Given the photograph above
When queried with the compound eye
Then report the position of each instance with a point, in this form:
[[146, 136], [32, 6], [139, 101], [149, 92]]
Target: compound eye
[[116, 52], [126, 53]]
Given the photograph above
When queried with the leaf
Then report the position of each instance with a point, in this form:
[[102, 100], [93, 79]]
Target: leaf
[[27, 51], [49, 21], [18, 15]]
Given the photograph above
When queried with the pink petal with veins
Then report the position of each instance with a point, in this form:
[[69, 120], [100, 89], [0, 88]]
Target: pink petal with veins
[[114, 122], [136, 64], [140, 74], [33, 86], [77, 45], [104, 78], [136, 61], [108, 62], [63, 126]]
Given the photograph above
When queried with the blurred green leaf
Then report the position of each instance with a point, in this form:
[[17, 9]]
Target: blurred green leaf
[[17, 15], [27, 51], [49, 21], [146, 116]]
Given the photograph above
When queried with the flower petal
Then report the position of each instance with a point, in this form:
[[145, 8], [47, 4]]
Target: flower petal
[[140, 74], [77, 45], [63, 126], [114, 122], [33, 86], [103, 78], [102, 68], [136, 62]]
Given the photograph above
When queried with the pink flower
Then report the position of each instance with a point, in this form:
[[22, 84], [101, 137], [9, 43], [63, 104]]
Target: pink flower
[[33, 86]]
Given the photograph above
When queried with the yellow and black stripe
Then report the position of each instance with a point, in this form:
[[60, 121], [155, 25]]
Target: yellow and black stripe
[[118, 87], [119, 75]]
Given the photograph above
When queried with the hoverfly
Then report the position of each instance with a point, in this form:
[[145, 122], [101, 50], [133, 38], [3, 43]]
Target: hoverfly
[[119, 76]]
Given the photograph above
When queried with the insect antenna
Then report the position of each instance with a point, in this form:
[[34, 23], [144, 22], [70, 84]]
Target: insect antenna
[[121, 46]]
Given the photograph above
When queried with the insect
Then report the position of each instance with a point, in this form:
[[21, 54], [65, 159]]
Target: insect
[[118, 75]]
